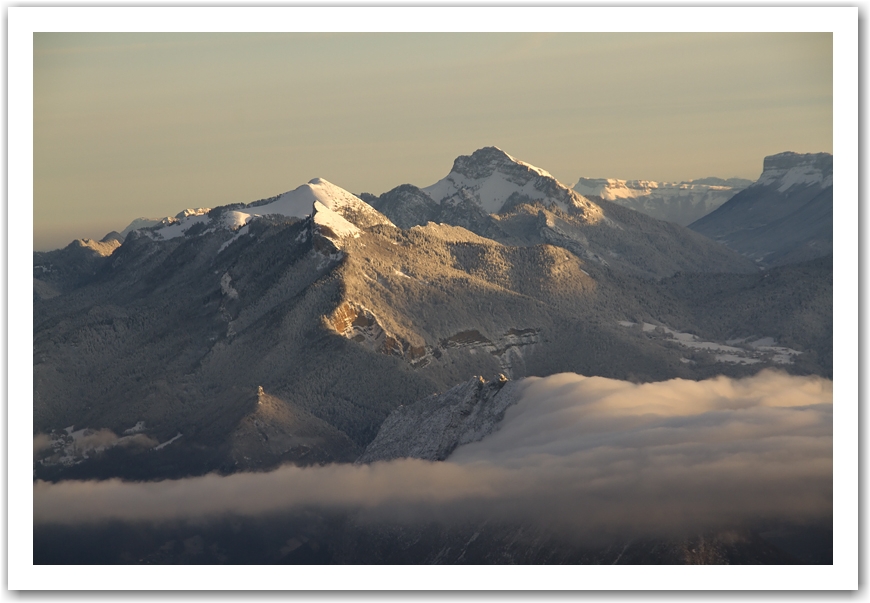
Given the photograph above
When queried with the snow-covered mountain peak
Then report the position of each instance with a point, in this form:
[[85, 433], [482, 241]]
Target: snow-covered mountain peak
[[299, 202], [785, 170], [497, 181], [483, 162]]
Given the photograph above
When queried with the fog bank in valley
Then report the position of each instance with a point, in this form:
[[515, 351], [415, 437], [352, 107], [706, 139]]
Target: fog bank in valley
[[584, 455]]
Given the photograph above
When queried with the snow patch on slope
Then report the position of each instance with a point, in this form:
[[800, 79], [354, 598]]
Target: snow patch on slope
[[227, 287], [167, 442], [137, 428], [761, 350], [326, 218], [69, 446]]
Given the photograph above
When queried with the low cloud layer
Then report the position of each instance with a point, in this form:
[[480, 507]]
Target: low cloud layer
[[581, 454]]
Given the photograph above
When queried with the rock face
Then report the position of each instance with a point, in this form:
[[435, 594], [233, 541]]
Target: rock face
[[678, 202], [785, 217], [433, 427], [359, 324]]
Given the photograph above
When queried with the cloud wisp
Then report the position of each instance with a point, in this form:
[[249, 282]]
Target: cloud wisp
[[585, 455]]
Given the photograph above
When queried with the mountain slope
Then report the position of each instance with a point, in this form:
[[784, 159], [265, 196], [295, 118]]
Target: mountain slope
[[793, 303], [786, 216]]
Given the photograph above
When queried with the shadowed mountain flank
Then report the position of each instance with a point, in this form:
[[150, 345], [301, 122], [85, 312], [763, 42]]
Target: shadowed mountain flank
[[787, 216]]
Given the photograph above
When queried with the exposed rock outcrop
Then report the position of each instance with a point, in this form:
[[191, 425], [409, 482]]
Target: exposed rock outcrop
[[433, 427]]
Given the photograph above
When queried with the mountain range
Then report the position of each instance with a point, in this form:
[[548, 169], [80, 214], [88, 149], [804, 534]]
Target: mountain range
[[678, 202], [296, 329]]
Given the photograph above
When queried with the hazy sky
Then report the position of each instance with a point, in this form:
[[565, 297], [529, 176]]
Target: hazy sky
[[130, 125]]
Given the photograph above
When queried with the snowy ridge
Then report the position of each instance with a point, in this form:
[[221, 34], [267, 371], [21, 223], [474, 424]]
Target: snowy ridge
[[529, 166], [192, 212], [341, 212], [787, 170], [495, 181]]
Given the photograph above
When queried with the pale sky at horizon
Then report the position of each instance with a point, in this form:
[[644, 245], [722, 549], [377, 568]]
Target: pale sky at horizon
[[130, 125]]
